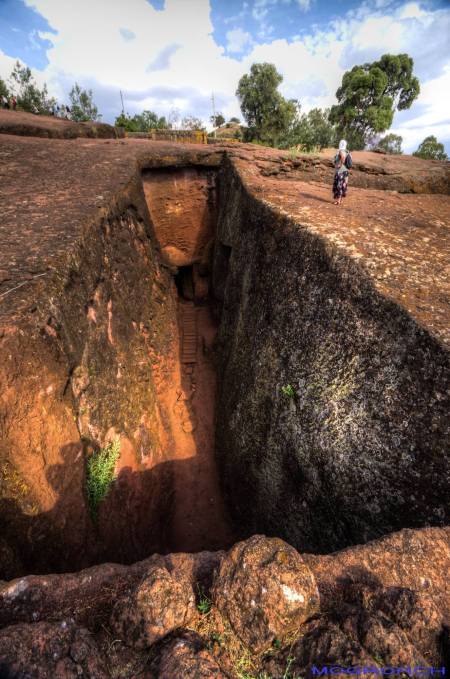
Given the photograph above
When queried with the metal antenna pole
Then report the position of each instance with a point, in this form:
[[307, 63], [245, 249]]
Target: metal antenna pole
[[214, 113]]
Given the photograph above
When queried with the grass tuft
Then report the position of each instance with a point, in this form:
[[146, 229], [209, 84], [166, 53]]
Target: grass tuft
[[289, 391], [100, 475], [204, 604]]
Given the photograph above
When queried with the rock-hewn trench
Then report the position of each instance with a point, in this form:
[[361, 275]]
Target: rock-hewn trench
[[258, 383], [330, 422]]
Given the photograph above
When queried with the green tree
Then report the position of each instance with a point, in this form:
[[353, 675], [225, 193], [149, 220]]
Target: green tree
[[4, 91], [141, 122], [82, 107], [218, 120], [431, 149], [391, 143], [313, 130], [370, 94], [192, 123], [235, 120], [29, 96], [148, 120], [269, 115]]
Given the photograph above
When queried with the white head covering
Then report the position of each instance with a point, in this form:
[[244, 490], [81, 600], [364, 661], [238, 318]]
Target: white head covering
[[342, 145]]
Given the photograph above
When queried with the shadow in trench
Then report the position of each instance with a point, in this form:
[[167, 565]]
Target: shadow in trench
[[135, 520]]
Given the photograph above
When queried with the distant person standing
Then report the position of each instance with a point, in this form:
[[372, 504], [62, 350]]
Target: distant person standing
[[13, 103], [342, 164]]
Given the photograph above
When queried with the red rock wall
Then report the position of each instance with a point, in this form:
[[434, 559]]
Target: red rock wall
[[182, 205], [78, 373]]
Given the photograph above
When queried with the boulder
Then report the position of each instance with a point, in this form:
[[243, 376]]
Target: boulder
[[161, 602], [265, 589]]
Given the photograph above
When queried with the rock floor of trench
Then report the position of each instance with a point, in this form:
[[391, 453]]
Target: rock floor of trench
[[199, 517]]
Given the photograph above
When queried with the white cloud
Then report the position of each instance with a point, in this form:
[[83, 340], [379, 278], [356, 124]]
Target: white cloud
[[237, 40], [412, 11], [171, 58], [434, 117], [304, 5]]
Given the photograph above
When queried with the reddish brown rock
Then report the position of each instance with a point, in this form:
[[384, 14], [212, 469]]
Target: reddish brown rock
[[31, 125], [186, 656], [162, 602], [90, 595], [382, 604], [50, 651], [418, 560], [182, 207], [265, 589]]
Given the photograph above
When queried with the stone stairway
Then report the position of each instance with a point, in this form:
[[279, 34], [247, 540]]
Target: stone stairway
[[189, 334]]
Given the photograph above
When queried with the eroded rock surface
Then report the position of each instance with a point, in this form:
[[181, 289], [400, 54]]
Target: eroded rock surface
[[186, 656], [162, 602], [380, 604], [334, 377], [50, 651]]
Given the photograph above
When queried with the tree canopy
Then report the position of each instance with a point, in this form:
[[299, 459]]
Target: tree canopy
[[29, 96], [313, 130], [141, 122], [370, 94], [268, 114], [82, 107], [431, 149], [4, 91], [192, 123], [218, 120], [391, 143]]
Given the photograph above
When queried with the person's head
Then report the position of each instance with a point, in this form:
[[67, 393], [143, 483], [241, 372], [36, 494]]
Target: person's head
[[342, 145]]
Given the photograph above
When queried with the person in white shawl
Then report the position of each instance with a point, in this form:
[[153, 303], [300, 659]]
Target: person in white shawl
[[342, 164]]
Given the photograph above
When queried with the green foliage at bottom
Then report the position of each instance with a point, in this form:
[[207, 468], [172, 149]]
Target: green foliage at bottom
[[100, 474], [204, 604]]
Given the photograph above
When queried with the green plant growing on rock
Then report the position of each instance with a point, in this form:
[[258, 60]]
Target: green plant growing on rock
[[204, 604], [289, 391], [100, 475], [217, 638]]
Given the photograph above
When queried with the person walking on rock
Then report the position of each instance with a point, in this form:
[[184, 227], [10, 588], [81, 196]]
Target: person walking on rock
[[342, 164]]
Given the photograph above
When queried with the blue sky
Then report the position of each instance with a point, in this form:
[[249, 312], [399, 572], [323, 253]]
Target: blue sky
[[171, 54]]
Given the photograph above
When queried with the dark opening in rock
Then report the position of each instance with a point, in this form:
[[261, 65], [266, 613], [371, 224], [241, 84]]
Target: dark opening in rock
[[185, 283]]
